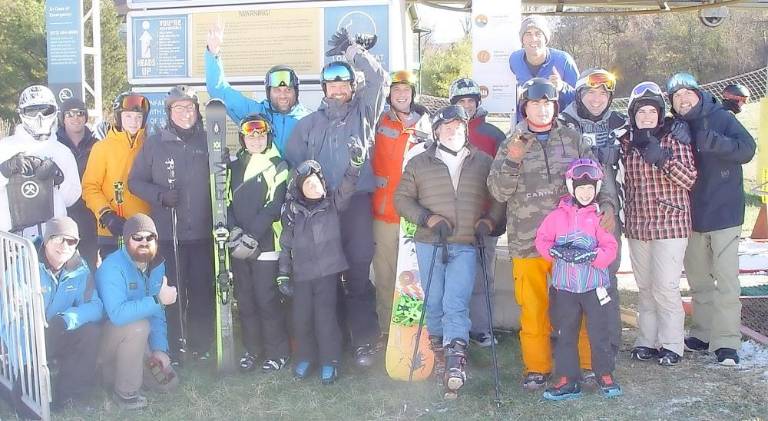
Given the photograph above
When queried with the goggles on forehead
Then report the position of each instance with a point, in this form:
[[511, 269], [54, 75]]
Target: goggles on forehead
[[590, 172], [308, 167], [280, 78], [137, 103], [450, 113], [255, 127], [403, 76], [644, 88], [33, 110], [541, 91], [597, 79], [337, 73]]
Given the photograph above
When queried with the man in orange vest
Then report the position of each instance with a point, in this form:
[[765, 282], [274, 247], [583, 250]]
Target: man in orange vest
[[403, 124]]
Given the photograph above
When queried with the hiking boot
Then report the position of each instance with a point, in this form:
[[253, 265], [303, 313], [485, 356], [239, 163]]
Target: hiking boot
[[329, 373], [273, 365], [644, 353], [134, 402], [608, 387], [668, 358], [456, 364], [302, 370], [534, 381], [563, 390], [482, 339], [364, 355], [727, 356], [436, 344], [695, 344], [247, 362]]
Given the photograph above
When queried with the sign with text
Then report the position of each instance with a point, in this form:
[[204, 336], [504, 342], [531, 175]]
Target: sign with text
[[63, 26]]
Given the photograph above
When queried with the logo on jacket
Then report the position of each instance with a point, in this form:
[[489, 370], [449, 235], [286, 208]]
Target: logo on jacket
[[30, 189]]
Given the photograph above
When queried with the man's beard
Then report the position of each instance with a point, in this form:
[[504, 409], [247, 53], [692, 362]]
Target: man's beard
[[138, 256]]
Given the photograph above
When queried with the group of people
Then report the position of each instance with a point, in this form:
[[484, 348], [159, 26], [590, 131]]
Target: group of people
[[316, 200]]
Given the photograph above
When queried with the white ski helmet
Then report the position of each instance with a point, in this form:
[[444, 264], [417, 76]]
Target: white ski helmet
[[37, 110]]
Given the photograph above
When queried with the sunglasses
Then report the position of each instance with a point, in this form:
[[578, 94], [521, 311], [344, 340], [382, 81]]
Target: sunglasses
[[35, 110], [75, 113], [337, 73], [60, 239], [255, 127], [139, 238], [280, 78], [308, 167], [137, 103], [403, 76], [597, 79]]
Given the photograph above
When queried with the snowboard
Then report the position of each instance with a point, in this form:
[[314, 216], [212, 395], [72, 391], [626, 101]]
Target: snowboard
[[407, 305], [215, 127]]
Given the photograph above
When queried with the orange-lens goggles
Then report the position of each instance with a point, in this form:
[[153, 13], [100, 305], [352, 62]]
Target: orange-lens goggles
[[254, 127], [403, 76], [135, 103], [602, 78]]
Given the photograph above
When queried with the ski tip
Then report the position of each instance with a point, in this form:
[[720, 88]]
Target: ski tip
[[214, 102]]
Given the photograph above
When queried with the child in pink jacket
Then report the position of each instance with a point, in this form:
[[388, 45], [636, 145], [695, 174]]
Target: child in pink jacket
[[582, 251]]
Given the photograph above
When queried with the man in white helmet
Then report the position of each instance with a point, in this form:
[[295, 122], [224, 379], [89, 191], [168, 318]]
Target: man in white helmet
[[38, 174]]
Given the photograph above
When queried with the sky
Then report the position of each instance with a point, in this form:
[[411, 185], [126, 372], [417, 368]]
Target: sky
[[445, 25]]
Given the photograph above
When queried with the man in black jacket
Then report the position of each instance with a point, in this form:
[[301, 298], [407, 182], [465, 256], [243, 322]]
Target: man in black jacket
[[182, 143], [721, 146]]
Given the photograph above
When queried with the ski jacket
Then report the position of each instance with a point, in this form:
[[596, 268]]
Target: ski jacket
[[657, 199], [64, 195], [310, 243], [426, 188], [325, 135], [601, 136], [149, 177], [111, 161], [393, 139], [258, 185], [580, 227], [70, 293], [717, 198], [533, 188], [562, 61], [129, 294], [86, 222], [485, 136], [239, 106]]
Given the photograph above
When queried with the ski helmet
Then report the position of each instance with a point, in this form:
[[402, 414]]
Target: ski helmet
[[130, 101], [682, 80], [735, 96], [536, 89], [72, 104], [646, 93], [338, 71], [37, 110], [583, 171], [281, 75], [256, 123], [305, 170], [448, 114], [405, 77], [464, 88], [590, 79]]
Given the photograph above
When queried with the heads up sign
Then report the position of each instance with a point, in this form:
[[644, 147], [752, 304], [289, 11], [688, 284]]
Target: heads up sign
[[63, 25]]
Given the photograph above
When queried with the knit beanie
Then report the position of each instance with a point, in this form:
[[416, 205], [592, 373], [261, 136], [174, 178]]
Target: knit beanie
[[138, 223], [538, 22], [60, 225]]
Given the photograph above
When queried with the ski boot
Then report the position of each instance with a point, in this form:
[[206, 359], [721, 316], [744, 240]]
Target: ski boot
[[455, 362], [436, 344]]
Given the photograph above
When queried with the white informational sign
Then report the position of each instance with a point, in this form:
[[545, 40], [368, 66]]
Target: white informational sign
[[495, 34]]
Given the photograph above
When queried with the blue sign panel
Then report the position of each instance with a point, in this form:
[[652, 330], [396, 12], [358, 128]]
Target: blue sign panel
[[160, 46], [360, 20], [157, 118], [65, 42]]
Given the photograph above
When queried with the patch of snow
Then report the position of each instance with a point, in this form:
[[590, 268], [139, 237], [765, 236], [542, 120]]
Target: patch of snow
[[753, 355]]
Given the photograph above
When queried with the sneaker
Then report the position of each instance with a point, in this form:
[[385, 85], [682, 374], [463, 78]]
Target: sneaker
[[534, 381], [589, 379], [302, 370], [695, 344], [135, 402], [563, 390], [364, 355], [668, 358], [247, 362], [608, 387], [328, 374], [274, 365], [644, 353], [727, 356], [483, 339]]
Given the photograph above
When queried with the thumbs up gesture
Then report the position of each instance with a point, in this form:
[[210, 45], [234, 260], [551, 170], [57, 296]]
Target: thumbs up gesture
[[556, 79], [167, 294]]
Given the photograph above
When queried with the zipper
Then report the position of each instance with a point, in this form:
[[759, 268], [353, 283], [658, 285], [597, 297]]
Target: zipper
[[546, 161]]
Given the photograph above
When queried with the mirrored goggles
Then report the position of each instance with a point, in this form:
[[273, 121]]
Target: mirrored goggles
[[254, 127]]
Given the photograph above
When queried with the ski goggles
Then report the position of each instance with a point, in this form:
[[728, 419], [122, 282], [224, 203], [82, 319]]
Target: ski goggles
[[307, 168], [403, 76], [255, 127], [450, 113], [140, 238], [601, 78], [337, 72], [644, 88], [281, 78], [681, 81], [39, 109], [75, 113], [584, 168], [61, 239], [540, 91], [137, 103]]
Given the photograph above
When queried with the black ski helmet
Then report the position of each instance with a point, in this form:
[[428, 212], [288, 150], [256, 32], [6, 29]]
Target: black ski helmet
[[536, 89], [646, 93], [338, 71], [447, 114], [130, 101], [737, 90], [256, 117], [735, 96], [305, 170], [275, 78]]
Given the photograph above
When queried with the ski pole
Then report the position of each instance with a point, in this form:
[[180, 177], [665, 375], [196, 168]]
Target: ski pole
[[423, 313], [119, 199], [171, 166], [482, 250]]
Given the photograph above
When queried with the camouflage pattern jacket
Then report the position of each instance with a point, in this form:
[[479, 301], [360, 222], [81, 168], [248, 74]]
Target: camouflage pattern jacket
[[533, 188]]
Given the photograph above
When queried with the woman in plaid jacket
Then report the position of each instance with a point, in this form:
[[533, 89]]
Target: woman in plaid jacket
[[660, 172]]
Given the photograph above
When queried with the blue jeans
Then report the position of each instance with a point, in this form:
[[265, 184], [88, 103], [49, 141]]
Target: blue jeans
[[447, 306]]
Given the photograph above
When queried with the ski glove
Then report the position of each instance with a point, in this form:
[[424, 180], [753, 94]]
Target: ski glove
[[244, 247], [17, 164], [113, 222], [169, 198], [356, 153], [339, 42], [584, 256], [367, 41], [440, 226], [642, 137], [681, 132], [655, 155], [48, 169], [285, 285], [483, 228]]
